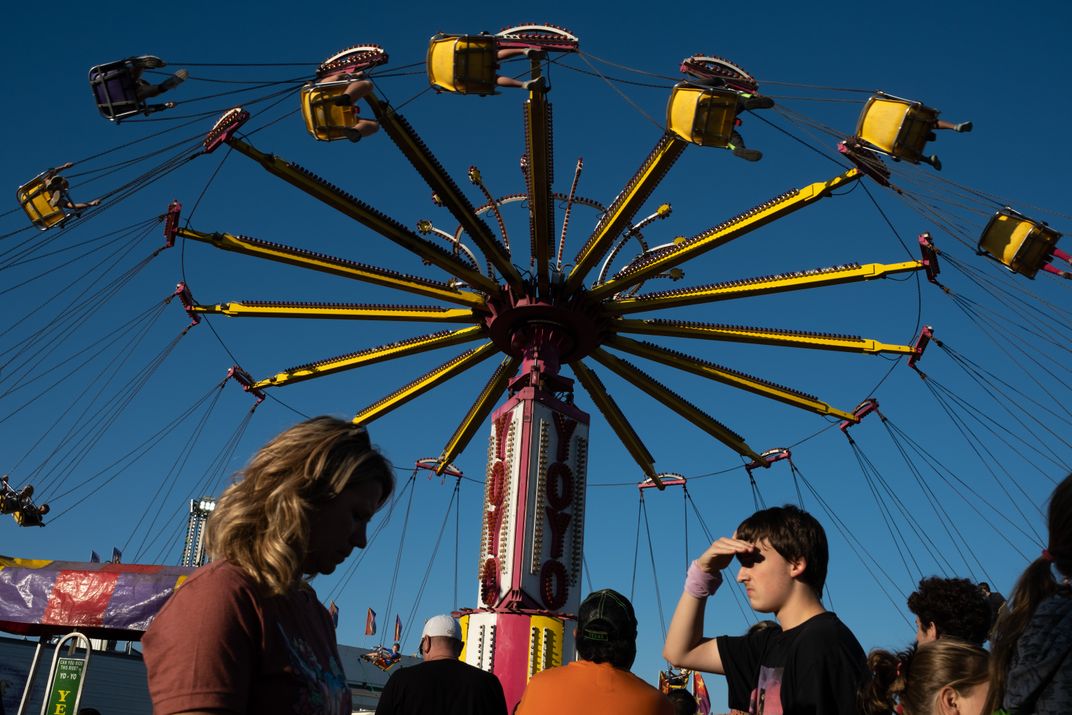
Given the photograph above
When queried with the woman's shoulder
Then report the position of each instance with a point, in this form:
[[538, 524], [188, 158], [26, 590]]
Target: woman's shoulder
[[217, 592], [217, 579]]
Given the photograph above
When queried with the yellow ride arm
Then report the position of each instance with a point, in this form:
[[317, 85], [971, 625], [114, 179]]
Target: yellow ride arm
[[379, 222], [474, 418], [345, 311], [433, 173], [539, 178], [402, 348], [797, 280], [425, 382], [761, 336], [620, 214], [335, 266], [725, 232], [729, 377], [675, 402], [617, 420]]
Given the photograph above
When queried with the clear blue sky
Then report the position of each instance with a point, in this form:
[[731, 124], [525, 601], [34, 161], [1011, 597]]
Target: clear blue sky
[[978, 61]]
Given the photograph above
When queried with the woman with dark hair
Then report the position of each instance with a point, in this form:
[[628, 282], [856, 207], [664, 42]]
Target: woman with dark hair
[[941, 677], [246, 633], [1031, 667]]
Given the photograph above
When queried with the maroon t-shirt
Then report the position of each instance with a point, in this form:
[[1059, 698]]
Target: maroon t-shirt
[[218, 643]]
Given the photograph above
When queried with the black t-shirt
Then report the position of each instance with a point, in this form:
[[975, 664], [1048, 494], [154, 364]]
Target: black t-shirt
[[813, 669], [448, 686]]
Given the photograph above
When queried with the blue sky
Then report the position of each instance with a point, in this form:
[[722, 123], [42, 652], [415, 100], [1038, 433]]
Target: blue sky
[[973, 61]]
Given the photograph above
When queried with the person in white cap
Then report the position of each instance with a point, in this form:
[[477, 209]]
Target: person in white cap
[[442, 683]]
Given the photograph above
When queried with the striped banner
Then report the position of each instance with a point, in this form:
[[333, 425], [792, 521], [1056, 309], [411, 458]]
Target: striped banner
[[119, 601]]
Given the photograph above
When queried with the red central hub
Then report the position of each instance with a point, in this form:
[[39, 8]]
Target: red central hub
[[573, 327]]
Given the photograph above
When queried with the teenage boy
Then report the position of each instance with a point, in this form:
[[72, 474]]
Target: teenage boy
[[814, 665]]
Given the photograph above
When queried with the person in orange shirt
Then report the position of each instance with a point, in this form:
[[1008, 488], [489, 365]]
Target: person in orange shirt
[[599, 683]]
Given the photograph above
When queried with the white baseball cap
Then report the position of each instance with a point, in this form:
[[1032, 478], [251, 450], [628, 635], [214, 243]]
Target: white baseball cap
[[442, 625]]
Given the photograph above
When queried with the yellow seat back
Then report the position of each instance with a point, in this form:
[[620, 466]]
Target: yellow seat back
[[324, 119], [464, 64], [896, 126], [702, 115], [35, 200], [1018, 242]]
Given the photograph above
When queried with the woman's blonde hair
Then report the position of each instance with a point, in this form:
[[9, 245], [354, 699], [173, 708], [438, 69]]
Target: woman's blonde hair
[[261, 522], [914, 679]]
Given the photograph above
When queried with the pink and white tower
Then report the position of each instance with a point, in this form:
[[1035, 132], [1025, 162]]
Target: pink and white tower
[[533, 527]]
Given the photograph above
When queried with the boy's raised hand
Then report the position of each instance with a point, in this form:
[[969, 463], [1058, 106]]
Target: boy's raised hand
[[719, 554]]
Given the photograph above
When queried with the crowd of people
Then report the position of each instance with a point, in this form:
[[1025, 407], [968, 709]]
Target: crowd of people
[[247, 633]]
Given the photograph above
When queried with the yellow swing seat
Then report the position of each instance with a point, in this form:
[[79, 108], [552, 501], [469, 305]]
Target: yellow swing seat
[[463, 64], [898, 127], [1021, 244], [36, 201], [324, 119], [702, 115]]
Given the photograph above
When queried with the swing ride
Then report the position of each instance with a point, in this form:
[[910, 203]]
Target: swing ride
[[597, 314]]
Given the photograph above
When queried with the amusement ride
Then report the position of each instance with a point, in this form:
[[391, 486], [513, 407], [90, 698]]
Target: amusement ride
[[536, 309]]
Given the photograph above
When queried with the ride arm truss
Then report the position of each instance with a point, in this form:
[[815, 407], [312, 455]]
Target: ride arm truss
[[345, 311], [390, 351], [427, 165], [425, 382], [635, 376], [619, 216], [726, 376], [762, 336], [361, 212], [336, 266], [474, 418], [797, 280], [539, 177], [776, 208], [616, 418]]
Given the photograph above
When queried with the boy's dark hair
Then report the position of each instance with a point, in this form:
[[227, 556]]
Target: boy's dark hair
[[607, 629], [955, 606], [683, 701], [795, 534], [761, 626]]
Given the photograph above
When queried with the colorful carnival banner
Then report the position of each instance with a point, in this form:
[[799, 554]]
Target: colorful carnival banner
[[109, 600]]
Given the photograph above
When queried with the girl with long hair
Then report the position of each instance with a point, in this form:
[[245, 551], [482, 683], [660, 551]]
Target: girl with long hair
[[246, 633], [1031, 670], [942, 677]]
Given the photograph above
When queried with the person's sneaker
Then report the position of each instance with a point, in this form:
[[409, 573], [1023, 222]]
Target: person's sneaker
[[537, 84], [963, 127], [352, 134], [174, 80], [533, 53], [343, 100], [747, 154], [934, 161], [757, 102]]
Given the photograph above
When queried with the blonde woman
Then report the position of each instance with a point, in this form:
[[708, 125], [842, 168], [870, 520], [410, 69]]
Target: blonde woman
[[942, 677], [246, 633]]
